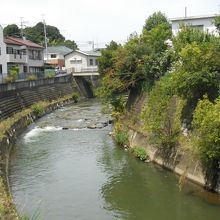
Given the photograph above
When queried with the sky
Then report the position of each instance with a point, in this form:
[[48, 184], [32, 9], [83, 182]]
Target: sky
[[99, 20]]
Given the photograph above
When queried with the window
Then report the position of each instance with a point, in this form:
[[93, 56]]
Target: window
[[0, 68], [0, 51], [25, 69], [53, 56], [75, 61], [9, 50], [91, 62], [96, 62]]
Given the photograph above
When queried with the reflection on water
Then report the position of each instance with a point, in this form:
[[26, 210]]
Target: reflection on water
[[79, 173]]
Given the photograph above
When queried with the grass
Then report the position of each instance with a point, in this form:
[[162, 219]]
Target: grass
[[141, 153], [121, 138]]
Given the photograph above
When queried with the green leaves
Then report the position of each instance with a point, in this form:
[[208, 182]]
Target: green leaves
[[206, 125]]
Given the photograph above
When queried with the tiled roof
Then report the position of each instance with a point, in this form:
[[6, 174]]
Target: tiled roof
[[59, 50], [21, 42]]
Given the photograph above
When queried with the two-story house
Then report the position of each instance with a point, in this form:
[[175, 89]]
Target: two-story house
[[55, 56], [82, 61], [28, 56], [3, 62], [203, 23]]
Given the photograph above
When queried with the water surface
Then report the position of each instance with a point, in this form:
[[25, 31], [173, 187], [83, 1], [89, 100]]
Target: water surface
[[81, 174]]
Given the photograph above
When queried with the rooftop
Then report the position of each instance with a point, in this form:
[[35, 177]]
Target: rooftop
[[88, 53], [194, 17], [21, 42], [63, 50]]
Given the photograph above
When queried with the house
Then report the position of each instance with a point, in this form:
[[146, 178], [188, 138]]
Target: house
[[24, 54], [3, 62], [55, 56], [203, 23], [82, 61]]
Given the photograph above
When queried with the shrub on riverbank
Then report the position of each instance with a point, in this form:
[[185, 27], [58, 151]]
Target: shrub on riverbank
[[141, 153], [162, 114], [206, 133], [39, 108], [75, 96]]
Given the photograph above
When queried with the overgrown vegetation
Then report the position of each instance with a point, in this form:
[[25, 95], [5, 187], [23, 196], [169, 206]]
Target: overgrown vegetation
[[12, 76], [176, 72], [75, 96], [121, 134], [141, 153], [206, 133], [39, 108]]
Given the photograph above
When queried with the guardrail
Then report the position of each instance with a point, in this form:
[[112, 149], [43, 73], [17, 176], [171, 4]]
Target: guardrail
[[4, 87]]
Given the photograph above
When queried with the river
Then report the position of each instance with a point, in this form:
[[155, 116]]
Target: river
[[80, 174]]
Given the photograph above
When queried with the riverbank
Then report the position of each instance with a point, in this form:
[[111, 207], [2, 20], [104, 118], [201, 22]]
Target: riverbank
[[9, 130], [181, 159]]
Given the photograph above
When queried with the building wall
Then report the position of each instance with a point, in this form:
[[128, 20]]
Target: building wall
[[70, 58], [206, 22], [3, 56]]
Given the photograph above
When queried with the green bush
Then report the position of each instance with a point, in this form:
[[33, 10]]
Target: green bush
[[206, 138], [121, 137], [141, 153], [206, 125], [38, 108], [162, 114], [75, 96]]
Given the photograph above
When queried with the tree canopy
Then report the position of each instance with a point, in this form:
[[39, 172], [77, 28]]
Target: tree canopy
[[12, 30], [36, 34]]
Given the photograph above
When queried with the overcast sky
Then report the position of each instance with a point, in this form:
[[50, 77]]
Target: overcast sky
[[99, 20]]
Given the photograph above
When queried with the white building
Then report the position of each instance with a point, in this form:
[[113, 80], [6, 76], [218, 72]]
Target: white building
[[82, 61], [3, 62], [204, 23]]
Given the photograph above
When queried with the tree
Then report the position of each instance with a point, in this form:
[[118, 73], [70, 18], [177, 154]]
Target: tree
[[155, 20], [36, 33], [217, 23], [12, 30], [106, 61], [70, 44]]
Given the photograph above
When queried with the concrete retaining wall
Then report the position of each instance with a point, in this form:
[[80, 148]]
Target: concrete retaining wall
[[19, 95]]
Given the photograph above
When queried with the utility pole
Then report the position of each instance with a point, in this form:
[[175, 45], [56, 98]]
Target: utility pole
[[185, 12], [45, 38], [22, 25]]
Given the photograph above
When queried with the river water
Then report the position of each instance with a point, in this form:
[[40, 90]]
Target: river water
[[80, 174]]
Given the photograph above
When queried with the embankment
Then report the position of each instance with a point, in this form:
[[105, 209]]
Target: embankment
[[180, 159], [16, 114]]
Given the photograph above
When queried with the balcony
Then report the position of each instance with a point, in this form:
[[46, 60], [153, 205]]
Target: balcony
[[16, 58], [90, 71]]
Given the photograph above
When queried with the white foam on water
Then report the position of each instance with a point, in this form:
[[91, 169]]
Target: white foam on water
[[38, 130]]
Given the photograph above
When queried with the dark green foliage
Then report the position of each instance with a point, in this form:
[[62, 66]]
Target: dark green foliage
[[36, 33], [12, 30], [75, 96], [155, 20], [106, 61]]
